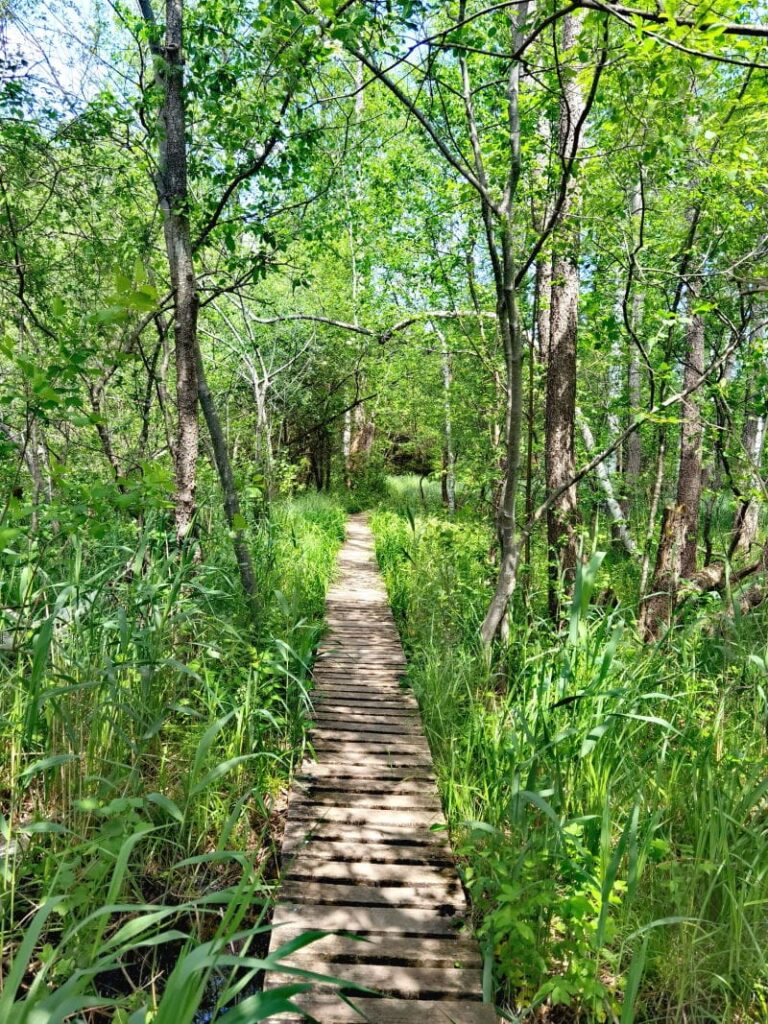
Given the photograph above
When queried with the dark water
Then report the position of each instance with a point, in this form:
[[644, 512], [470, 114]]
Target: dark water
[[205, 1015]]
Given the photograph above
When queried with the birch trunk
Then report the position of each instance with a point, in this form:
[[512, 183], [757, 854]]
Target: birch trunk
[[449, 458], [606, 483], [633, 463], [747, 520], [691, 439], [561, 369]]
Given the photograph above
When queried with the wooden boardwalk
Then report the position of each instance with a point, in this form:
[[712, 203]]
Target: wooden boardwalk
[[360, 853]]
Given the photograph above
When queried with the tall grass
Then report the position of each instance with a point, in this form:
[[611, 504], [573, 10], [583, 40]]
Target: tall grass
[[147, 728], [610, 800]]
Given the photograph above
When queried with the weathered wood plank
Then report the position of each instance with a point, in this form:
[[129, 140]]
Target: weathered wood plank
[[393, 816], [362, 725], [318, 869], [365, 798], [360, 920], [455, 951], [396, 979], [354, 736], [359, 707], [326, 770], [447, 897], [298, 833], [331, 1010], [365, 849]]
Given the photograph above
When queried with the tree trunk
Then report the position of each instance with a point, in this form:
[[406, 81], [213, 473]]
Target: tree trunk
[[656, 609], [658, 482], [227, 480], [449, 472], [362, 433], [561, 369], [346, 442], [691, 437], [32, 453], [544, 259], [504, 271], [496, 616], [105, 437], [544, 311], [747, 517], [633, 463], [150, 365], [172, 194], [606, 482]]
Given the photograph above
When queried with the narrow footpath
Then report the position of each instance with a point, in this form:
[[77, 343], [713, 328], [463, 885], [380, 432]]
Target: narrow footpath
[[365, 848]]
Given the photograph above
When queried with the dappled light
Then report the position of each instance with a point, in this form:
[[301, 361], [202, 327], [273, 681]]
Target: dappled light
[[383, 535]]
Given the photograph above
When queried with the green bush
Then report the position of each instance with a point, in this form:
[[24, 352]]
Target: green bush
[[607, 799], [146, 722]]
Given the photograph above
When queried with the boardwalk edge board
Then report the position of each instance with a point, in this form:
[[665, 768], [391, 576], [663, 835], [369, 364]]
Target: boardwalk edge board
[[366, 855]]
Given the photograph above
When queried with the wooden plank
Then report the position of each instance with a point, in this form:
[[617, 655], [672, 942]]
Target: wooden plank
[[360, 706], [446, 898], [347, 706], [352, 736], [399, 817], [398, 979], [378, 762], [329, 1009], [323, 770], [376, 853], [364, 798], [385, 949], [363, 724], [307, 866], [298, 833], [401, 921], [357, 783], [354, 677], [370, 697]]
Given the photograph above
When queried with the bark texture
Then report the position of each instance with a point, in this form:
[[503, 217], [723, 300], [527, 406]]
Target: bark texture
[[656, 609], [449, 457], [604, 477], [691, 439], [561, 369], [747, 519], [227, 480], [504, 268], [633, 463], [172, 195]]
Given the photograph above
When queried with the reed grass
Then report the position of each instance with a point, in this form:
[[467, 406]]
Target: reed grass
[[147, 728], [609, 800]]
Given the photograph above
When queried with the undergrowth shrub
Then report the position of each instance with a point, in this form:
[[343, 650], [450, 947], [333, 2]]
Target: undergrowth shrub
[[146, 723], [608, 799]]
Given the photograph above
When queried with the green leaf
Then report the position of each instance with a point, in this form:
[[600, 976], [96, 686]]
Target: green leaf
[[168, 805], [48, 762]]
